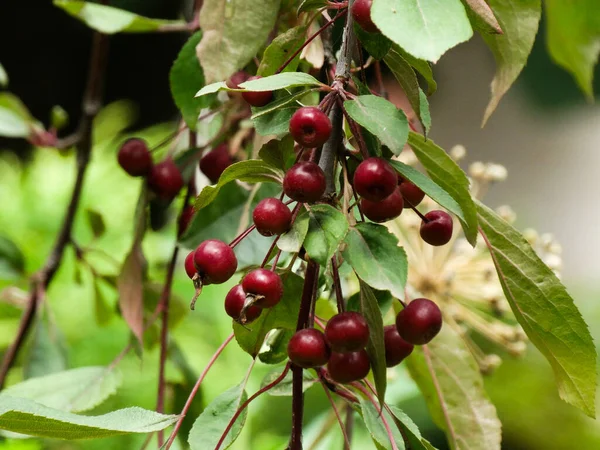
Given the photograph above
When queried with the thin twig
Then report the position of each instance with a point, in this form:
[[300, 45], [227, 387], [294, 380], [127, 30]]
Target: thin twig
[[194, 391], [90, 106], [337, 415]]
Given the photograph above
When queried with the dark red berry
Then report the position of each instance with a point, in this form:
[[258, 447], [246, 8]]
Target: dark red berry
[[257, 98], [361, 11], [387, 209], [310, 127], [134, 157], [304, 182], [347, 332], [375, 179], [236, 79], [396, 348], [215, 261], [419, 322], [234, 303], [214, 163], [437, 229], [411, 193], [348, 367], [265, 285], [165, 179], [190, 268], [186, 218], [272, 217], [308, 349]]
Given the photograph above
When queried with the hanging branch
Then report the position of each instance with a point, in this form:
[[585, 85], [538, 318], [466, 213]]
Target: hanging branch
[[82, 139]]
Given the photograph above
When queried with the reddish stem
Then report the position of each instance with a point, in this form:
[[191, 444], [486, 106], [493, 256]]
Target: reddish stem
[[242, 236], [337, 285], [247, 402], [341, 13], [337, 414], [194, 391]]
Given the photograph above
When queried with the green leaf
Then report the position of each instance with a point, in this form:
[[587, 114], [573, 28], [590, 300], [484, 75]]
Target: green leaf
[[48, 351], [373, 253], [424, 28], [421, 66], [186, 78], [283, 315], [284, 388], [430, 187], [275, 123], [109, 20], [573, 38], [250, 171], [3, 77], [519, 21], [449, 378], [283, 80], [285, 100], [96, 222], [15, 119], [406, 77], [211, 424], [276, 347], [292, 240], [327, 227], [74, 390], [280, 50], [450, 177], [381, 118], [545, 310], [234, 32], [375, 43], [311, 5], [24, 416], [278, 153], [410, 430], [482, 17], [374, 424], [425, 114], [369, 307], [12, 261]]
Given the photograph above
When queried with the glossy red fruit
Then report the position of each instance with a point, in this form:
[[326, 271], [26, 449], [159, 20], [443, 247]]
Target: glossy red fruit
[[234, 303], [375, 179], [214, 163], [215, 261], [272, 217], [165, 179], [308, 349], [348, 367], [347, 332], [387, 209], [361, 12], [236, 79], [266, 285], [411, 193], [310, 127], [134, 157], [257, 98], [304, 182], [190, 268], [186, 218], [437, 230], [419, 322], [396, 348]]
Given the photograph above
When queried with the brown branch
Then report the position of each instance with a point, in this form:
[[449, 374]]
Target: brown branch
[[40, 281]]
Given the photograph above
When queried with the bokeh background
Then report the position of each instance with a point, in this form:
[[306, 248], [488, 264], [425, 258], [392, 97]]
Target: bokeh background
[[544, 132]]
